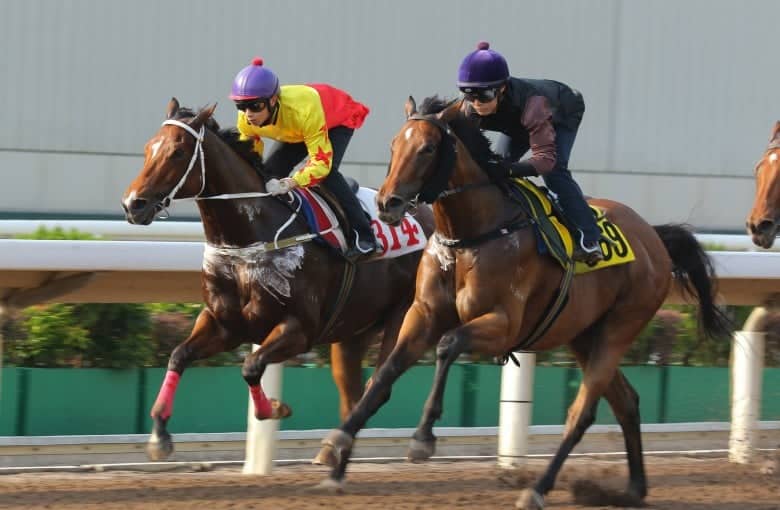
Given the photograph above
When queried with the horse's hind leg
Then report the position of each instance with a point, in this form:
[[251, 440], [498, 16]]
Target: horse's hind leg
[[598, 352], [624, 401], [206, 340]]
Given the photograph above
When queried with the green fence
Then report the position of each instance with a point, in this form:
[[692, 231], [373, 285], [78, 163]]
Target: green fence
[[40, 401]]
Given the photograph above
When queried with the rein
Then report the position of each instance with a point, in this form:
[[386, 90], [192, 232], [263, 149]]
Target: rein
[[197, 153], [559, 299]]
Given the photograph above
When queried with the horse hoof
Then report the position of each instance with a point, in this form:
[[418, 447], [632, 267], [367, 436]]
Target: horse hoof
[[339, 442], [279, 410], [330, 486], [325, 457], [159, 447], [420, 451], [529, 500]]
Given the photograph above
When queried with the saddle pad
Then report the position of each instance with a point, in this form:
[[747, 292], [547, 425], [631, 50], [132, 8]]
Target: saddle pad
[[321, 219], [554, 237], [406, 237]]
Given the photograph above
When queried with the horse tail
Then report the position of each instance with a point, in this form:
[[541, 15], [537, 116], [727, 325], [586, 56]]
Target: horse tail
[[692, 269]]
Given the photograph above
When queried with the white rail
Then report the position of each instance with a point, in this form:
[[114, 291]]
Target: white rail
[[150, 268]]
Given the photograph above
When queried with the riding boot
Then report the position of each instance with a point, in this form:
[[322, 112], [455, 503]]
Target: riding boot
[[362, 241], [571, 199]]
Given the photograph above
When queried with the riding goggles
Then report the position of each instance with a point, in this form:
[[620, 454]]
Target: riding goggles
[[253, 105], [481, 95]]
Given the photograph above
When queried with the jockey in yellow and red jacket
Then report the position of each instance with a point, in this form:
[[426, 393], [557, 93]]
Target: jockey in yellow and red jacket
[[314, 120], [305, 114]]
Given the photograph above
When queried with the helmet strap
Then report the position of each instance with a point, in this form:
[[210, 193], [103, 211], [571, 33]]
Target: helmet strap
[[273, 110]]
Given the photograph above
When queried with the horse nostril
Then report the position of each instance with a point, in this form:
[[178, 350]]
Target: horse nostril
[[138, 204], [394, 202], [763, 227]]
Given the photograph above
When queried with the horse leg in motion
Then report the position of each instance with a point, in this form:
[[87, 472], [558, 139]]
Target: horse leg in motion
[[599, 351], [206, 340], [346, 362], [492, 328], [421, 327], [285, 341]]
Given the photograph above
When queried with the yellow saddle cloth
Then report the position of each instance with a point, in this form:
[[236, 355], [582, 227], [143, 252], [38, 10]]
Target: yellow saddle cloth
[[558, 241]]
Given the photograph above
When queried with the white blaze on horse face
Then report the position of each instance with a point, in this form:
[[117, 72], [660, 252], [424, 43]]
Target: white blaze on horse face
[[129, 199], [408, 133], [156, 146], [773, 157]]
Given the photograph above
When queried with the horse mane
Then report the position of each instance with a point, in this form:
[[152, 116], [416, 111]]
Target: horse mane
[[465, 128], [231, 136]]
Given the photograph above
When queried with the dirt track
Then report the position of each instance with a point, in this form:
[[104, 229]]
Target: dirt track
[[675, 483]]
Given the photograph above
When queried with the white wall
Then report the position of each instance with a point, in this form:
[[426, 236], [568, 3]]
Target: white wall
[[680, 94]]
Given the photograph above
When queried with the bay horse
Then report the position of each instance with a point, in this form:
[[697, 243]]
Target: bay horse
[[487, 295], [281, 294], [763, 222]]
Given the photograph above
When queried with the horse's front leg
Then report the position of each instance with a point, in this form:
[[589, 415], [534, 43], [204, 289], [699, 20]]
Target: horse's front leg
[[492, 326], [421, 328], [283, 342], [206, 339]]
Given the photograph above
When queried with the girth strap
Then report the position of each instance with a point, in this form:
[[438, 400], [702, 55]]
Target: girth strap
[[487, 236], [346, 289]]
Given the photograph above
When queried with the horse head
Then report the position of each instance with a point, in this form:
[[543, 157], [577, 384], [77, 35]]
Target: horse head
[[169, 159], [422, 161], [764, 220]]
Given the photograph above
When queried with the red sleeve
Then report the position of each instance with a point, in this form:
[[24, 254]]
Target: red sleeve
[[340, 108], [537, 119]]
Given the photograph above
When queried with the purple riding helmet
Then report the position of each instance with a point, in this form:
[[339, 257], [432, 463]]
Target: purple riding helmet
[[482, 69], [254, 82]]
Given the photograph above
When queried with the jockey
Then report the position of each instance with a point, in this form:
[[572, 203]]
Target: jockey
[[314, 120], [540, 115]]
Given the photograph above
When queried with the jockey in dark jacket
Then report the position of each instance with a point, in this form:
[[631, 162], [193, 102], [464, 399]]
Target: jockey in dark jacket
[[540, 115]]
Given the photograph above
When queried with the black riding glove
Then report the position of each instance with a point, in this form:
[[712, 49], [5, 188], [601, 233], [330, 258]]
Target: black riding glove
[[521, 169]]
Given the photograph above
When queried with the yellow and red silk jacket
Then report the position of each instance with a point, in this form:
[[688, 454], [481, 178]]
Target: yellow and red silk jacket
[[305, 114]]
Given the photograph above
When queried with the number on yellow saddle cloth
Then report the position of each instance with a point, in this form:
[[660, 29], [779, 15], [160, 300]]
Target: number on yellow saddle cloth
[[556, 239]]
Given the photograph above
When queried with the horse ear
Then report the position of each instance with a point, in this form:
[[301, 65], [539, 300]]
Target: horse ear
[[410, 107], [449, 112], [203, 115], [173, 107], [775, 131]]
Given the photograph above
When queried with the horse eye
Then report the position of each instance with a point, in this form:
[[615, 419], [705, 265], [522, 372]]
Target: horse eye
[[428, 148], [177, 154]]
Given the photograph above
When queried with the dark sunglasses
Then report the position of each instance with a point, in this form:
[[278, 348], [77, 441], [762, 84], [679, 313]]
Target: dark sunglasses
[[481, 95], [255, 105]]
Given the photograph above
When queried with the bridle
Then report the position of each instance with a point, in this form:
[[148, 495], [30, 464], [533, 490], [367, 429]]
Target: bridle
[[198, 153], [435, 187]]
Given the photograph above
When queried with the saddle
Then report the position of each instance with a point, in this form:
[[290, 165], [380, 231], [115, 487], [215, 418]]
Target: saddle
[[326, 217], [553, 229]]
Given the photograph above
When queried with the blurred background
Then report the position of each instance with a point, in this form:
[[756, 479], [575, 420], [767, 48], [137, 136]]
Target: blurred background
[[680, 99], [680, 96]]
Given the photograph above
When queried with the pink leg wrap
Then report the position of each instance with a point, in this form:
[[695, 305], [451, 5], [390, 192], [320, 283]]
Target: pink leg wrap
[[167, 392], [262, 405]]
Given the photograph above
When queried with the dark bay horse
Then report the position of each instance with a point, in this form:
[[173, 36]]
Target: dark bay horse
[[261, 283], [764, 219], [488, 295]]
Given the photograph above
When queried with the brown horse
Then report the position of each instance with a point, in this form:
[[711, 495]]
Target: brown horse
[[764, 220], [488, 294], [262, 281]]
